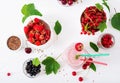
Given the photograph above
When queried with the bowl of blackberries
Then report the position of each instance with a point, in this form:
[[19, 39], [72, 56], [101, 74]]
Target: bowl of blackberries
[[32, 67], [38, 32], [94, 19]]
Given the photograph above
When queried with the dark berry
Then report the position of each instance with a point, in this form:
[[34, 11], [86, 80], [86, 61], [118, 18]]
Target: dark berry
[[64, 2], [8, 74], [28, 50], [70, 2]]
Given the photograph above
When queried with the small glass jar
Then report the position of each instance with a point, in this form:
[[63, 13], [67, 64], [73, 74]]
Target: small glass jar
[[25, 71], [106, 41]]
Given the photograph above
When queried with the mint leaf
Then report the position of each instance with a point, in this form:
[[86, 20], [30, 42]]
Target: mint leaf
[[28, 10], [102, 26], [94, 46], [57, 27], [93, 67], [35, 62], [51, 65], [115, 21], [105, 4], [99, 7]]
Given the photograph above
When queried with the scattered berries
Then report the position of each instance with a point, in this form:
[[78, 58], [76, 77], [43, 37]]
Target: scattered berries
[[74, 73], [79, 46], [37, 32], [87, 63], [91, 19]]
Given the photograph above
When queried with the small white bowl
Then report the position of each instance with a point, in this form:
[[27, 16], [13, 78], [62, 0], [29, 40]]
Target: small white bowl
[[52, 36]]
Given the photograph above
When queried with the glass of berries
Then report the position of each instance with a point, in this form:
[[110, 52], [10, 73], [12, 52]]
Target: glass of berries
[[106, 40], [30, 70], [38, 32]]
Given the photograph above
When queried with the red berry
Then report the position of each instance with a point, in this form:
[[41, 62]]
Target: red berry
[[80, 79], [70, 2], [74, 73], [8, 74], [79, 46], [26, 29], [84, 66]]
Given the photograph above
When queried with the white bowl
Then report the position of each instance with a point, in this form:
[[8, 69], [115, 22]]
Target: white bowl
[[52, 36]]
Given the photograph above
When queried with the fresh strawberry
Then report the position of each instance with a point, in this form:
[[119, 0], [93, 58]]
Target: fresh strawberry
[[41, 37], [37, 43], [26, 29], [31, 33], [30, 39], [36, 20], [37, 35], [79, 46]]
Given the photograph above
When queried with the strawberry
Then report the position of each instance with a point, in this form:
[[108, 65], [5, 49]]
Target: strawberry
[[37, 43], [37, 35], [26, 29], [30, 39], [31, 33], [79, 46], [36, 20], [41, 37]]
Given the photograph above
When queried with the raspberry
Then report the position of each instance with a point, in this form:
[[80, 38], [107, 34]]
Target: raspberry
[[74, 73], [26, 29], [36, 20]]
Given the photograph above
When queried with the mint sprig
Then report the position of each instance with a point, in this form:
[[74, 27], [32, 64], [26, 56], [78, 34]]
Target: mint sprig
[[51, 65], [94, 46], [29, 10], [93, 67], [35, 62], [99, 6], [102, 26], [57, 27]]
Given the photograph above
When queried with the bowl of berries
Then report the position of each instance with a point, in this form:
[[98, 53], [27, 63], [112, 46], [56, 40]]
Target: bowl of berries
[[32, 67], [106, 40], [94, 19], [38, 32]]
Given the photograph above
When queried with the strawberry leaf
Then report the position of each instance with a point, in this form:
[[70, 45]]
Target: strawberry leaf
[[115, 21], [94, 46], [29, 10], [51, 65], [57, 27], [35, 62], [102, 26], [93, 67], [99, 7]]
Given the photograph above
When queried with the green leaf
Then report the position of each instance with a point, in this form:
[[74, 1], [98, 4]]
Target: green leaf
[[35, 62], [105, 4], [29, 10], [57, 27], [93, 67], [102, 26], [99, 7], [115, 21], [51, 65], [94, 46]]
